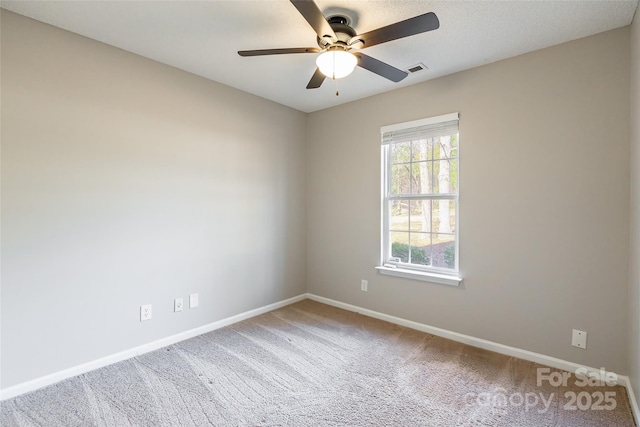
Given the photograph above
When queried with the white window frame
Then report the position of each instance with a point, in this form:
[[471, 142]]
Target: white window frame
[[387, 266]]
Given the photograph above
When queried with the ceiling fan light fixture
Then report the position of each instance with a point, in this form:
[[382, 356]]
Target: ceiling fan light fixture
[[336, 64]]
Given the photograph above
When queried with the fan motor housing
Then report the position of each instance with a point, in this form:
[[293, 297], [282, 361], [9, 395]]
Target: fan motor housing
[[344, 32]]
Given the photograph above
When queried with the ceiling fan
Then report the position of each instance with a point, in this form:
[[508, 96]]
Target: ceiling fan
[[340, 44]]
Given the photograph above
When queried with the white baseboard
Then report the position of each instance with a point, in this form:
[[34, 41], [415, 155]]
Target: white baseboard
[[542, 359], [46, 380], [633, 401], [484, 344]]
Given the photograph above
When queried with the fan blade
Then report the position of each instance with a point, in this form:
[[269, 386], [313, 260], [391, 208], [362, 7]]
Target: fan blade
[[380, 68], [409, 27], [315, 18], [278, 51], [316, 79]]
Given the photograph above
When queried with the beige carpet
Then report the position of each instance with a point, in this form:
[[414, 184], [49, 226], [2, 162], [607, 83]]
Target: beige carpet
[[309, 364]]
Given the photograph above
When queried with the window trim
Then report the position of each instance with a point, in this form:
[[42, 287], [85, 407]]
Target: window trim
[[425, 276], [444, 276]]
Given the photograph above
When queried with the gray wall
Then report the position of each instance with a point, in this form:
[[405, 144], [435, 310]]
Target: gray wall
[[127, 182], [634, 290], [544, 199]]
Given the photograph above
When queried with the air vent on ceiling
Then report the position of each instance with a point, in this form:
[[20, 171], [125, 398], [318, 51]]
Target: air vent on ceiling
[[417, 68]]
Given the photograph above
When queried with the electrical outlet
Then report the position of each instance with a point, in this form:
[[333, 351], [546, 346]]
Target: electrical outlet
[[579, 339], [364, 286], [178, 304], [145, 312], [193, 301]]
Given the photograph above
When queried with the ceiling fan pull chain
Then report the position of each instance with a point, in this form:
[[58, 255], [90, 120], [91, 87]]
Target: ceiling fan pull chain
[[337, 92]]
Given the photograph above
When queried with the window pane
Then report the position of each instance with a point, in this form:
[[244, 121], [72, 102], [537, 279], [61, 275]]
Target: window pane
[[400, 153], [420, 243], [422, 177], [400, 246], [421, 215], [444, 216], [400, 179], [454, 145], [453, 176], [444, 146], [399, 215], [422, 149], [443, 251], [442, 176]]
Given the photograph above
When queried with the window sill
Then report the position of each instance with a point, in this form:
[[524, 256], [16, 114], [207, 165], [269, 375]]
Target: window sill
[[443, 279]]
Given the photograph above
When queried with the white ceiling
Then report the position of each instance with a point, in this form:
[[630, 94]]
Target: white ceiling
[[203, 37]]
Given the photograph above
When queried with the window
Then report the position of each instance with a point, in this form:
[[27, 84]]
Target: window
[[420, 199]]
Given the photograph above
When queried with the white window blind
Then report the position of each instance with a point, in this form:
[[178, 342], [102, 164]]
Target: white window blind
[[427, 128]]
